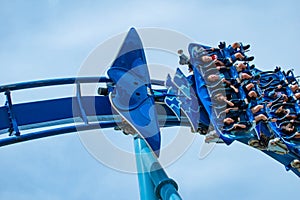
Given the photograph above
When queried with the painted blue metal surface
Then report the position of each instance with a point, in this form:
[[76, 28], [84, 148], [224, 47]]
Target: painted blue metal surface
[[132, 97], [183, 97], [55, 109], [55, 112], [191, 105], [171, 99]]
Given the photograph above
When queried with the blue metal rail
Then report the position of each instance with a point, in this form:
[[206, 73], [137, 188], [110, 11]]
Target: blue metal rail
[[61, 81], [30, 115]]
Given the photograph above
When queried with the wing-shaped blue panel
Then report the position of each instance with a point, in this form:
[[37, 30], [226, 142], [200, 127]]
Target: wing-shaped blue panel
[[182, 83], [171, 99], [132, 97]]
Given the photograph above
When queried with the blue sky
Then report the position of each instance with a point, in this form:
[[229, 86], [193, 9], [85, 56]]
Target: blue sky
[[52, 39]]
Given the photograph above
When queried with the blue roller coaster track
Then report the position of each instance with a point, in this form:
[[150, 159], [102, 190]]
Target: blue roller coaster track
[[225, 98]]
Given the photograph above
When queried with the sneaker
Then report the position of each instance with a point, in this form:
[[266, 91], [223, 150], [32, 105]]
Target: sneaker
[[284, 73], [253, 143], [256, 77], [246, 47], [295, 164], [277, 69], [256, 144], [252, 66], [249, 58], [222, 45], [213, 137], [276, 146]]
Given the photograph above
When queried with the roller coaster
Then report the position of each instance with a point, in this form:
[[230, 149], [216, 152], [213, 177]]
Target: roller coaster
[[225, 98]]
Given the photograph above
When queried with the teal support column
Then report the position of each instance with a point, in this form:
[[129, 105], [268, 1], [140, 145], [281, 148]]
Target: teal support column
[[147, 188], [161, 186]]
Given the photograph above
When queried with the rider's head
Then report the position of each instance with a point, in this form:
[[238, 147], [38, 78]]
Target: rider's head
[[180, 51], [252, 94], [228, 120], [213, 77], [206, 59]]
